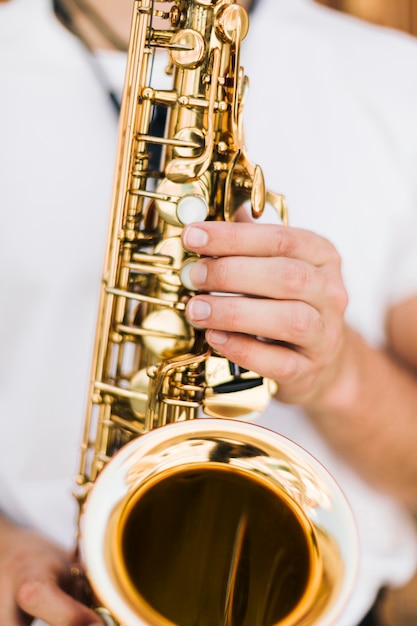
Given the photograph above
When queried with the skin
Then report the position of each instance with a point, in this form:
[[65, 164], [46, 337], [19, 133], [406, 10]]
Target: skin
[[324, 366]]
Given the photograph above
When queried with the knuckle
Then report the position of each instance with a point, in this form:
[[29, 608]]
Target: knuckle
[[283, 242], [330, 253], [334, 256], [341, 297], [288, 367], [302, 320], [241, 351], [221, 275], [297, 276], [337, 296], [234, 313], [234, 237]]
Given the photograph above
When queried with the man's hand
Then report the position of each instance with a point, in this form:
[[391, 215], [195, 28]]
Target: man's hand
[[282, 316], [285, 319], [34, 574]]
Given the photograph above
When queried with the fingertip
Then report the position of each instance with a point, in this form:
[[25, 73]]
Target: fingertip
[[216, 337], [194, 237]]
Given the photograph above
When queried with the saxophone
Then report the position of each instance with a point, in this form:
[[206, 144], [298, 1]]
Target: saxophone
[[186, 521]]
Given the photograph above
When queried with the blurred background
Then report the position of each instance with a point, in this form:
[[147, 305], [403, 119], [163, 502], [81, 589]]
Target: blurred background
[[399, 607]]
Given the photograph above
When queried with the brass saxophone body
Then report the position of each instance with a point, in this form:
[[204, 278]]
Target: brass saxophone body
[[185, 521]]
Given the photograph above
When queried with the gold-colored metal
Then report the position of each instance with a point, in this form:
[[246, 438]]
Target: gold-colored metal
[[218, 522], [185, 521], [203, 173]]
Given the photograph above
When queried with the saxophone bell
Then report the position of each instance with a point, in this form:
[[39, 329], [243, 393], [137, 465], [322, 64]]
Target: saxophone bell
[[218, 522]]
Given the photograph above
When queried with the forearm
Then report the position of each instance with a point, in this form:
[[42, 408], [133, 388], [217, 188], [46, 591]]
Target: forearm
[[370, 417]]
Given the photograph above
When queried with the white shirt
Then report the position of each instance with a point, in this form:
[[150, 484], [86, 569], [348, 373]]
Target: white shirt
[[316, 131], [331, 118], [57, 149]]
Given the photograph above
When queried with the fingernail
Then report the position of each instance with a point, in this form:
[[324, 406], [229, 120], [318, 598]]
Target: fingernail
[[193, 275], [198, 310], [185, 276], [217, 337], [195, 237], [199, 273]]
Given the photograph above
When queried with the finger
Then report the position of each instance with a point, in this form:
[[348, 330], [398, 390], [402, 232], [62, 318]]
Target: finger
[[273, 361], [258, 240], [272, 277], [43, 599], [291, 321]]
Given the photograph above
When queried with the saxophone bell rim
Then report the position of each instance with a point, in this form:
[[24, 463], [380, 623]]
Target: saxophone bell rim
[[323, 502]]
